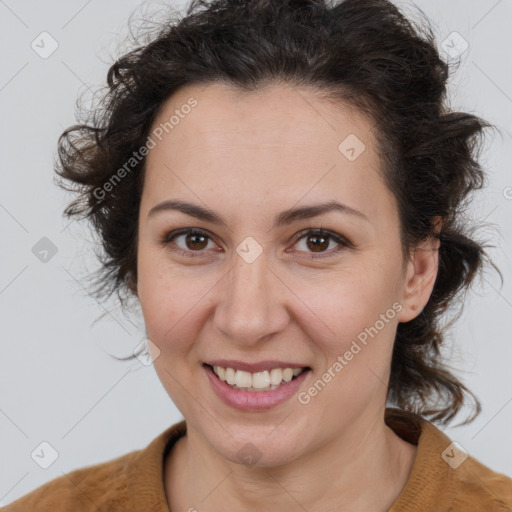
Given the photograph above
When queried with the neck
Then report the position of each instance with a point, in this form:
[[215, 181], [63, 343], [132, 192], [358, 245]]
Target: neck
[[361, 469]]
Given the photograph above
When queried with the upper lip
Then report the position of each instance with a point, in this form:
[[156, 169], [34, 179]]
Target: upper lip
[[254, 367]]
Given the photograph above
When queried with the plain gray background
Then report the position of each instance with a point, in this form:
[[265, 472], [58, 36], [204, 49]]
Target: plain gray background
[[57, 382]]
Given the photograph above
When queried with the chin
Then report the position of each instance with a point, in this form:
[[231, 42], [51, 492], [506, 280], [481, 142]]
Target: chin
[[253, 450]]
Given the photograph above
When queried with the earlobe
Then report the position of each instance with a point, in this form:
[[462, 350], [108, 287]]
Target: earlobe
[[420, 277]]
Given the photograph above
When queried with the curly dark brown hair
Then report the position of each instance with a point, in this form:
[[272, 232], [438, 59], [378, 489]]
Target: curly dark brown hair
[[364, 52]]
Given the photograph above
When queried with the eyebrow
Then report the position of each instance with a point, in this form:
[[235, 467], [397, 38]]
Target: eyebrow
[[284, 218]]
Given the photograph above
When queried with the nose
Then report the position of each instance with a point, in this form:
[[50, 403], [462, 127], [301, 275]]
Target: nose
[[251, 302]]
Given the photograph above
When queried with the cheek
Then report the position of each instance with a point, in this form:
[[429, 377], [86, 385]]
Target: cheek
[[171, 301], [356, 343], [354, 338], [346, 306], [157, 296]]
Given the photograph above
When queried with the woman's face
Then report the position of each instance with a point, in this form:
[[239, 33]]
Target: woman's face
[[256, 287]]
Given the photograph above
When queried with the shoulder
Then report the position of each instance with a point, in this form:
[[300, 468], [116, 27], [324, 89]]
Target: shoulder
[[97, 487], [130, 482], [480, 489], [470, 484], [444, 477]]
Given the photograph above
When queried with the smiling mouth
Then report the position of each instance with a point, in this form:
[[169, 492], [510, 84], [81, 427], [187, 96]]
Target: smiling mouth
[[267, 380]]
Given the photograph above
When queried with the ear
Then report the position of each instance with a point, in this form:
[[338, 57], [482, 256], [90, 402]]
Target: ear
[[420, 276]]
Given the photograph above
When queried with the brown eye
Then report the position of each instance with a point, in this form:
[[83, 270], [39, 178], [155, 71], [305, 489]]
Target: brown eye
[[193, 242], [196, 241], [317, 243]]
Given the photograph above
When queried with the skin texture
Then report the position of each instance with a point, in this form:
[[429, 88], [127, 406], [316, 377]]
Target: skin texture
[[248, 157]]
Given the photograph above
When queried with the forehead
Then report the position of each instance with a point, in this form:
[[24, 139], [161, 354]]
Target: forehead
[[277, 114], [281, 142]]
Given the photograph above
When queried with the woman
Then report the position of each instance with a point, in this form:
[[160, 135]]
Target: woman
[[279, 183]]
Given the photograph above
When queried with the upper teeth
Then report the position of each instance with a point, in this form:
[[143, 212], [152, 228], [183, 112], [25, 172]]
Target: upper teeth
[[258, 380]]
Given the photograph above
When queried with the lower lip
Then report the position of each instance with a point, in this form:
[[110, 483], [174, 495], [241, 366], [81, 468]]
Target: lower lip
[[257, 400]]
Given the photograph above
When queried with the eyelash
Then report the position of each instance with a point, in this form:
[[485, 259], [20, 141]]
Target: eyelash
[[343, 243]]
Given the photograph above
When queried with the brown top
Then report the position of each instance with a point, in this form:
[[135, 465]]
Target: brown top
[[442, 479]]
